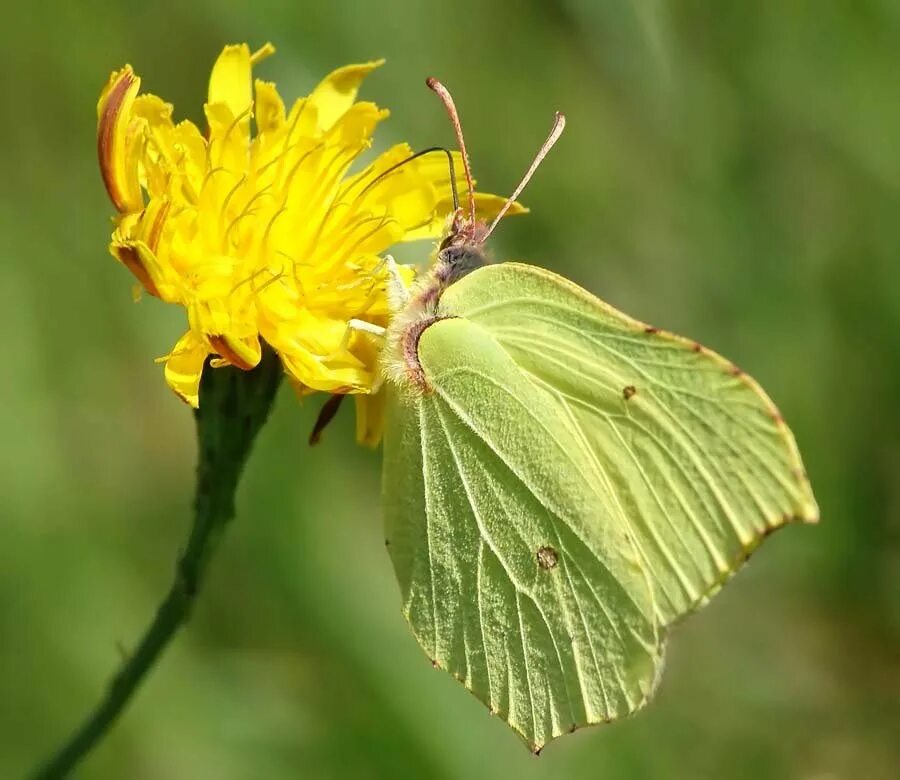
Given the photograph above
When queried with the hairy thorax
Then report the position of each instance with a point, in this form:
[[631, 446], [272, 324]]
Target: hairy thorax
[[421, 309]]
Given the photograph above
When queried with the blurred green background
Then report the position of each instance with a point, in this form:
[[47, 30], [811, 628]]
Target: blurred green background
[[731, 171]]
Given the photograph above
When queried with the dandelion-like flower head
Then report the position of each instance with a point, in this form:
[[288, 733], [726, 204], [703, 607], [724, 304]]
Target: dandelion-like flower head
[[258, 228]]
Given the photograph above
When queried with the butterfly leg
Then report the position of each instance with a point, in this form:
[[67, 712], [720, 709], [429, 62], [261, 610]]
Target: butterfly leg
[[357, 326], [362, 326]]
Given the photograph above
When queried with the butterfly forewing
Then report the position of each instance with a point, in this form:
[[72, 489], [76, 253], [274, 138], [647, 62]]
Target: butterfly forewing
[[692, 456]]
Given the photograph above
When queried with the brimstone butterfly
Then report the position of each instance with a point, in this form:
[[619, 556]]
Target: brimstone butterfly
[[563, 483]]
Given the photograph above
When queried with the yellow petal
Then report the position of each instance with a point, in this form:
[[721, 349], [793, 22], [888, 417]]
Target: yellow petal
[[354, 127], [269, 108], [138, 258], [302, 120], [229, 138], [130, 257], [337, 91], [184, 367], [308, 371], [136, 244], [369, 418], [229, 82], [244, 353], [486, 208], [361, 184], [155, 110], [119, 140], [158, 158], [189, 141], [418, 194]]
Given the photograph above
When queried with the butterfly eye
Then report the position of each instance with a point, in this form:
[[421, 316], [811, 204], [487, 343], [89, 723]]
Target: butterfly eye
[[460, 260]]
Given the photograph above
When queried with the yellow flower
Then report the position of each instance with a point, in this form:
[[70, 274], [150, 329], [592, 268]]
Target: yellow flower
[[265, 236]]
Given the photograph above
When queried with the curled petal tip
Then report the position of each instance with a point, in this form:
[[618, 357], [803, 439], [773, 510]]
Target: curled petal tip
[[116, 141], [130, 257], [237, 352], [336, 93]]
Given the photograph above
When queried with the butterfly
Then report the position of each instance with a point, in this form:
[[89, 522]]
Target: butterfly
[[563, 483]]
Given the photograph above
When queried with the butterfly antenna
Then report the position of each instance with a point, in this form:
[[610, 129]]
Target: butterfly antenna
[[559, 124], [385, 173], [441, 91]]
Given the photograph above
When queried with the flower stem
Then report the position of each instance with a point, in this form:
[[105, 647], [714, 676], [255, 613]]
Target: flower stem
[[234, 405]]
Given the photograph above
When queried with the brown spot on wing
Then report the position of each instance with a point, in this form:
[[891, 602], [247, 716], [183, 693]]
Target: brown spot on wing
[[547, 557]]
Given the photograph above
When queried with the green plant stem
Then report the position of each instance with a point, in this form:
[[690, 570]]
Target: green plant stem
[[234, 405]]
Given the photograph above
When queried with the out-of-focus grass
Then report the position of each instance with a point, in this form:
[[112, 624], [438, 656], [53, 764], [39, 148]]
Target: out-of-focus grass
[[730, 171]]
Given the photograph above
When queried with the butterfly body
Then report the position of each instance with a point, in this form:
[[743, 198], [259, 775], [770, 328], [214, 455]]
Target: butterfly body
[[459, 254]]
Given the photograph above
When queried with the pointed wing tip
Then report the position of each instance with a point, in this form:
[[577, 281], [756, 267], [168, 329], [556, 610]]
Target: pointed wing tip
[[807, 509], [809, 514]]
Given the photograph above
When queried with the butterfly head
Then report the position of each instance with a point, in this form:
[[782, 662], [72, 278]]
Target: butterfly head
[[462, 249], [464, 230]]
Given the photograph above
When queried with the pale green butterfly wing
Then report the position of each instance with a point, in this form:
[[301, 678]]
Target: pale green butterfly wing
[[484, 483], [696, 459], [650, 466]]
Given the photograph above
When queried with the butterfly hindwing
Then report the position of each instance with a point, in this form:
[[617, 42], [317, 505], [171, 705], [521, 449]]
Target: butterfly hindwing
[[516, 577]]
